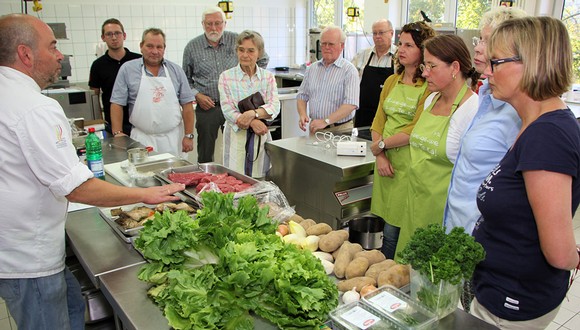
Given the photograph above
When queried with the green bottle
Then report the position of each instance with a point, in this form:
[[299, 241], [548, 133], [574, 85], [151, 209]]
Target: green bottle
[[95, 154]]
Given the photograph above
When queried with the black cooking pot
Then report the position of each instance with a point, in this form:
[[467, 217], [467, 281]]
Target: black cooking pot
[[366, 231]]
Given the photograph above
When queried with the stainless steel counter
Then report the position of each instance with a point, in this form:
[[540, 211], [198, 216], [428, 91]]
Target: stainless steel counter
[[91, 239], [323, 186], [113, 264], [96, 246]]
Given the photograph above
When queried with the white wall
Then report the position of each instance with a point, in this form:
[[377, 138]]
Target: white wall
[[282, 23]]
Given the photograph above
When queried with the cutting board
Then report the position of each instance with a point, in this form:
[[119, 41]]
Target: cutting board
[[116, 169]]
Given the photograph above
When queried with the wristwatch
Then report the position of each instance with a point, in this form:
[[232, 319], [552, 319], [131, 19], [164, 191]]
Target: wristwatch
[[257, 114], [327, 121], [189, 136], [382, 145]]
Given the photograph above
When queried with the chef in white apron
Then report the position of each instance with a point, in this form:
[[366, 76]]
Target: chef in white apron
[[161, 112], [156, 116]]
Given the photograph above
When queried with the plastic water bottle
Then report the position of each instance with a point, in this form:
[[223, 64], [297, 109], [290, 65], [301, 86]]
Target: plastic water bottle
[[95, 154]]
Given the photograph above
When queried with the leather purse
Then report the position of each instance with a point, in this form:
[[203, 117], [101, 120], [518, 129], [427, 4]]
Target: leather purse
[[251, 102]]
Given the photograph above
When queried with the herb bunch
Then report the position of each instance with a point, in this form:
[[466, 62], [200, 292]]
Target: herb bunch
[[450, 257]]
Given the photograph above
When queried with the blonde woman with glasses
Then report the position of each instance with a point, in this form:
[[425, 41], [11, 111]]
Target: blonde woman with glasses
[[528, 200]]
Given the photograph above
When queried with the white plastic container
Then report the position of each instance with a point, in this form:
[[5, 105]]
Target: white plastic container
[[359, 316], [400, 308]]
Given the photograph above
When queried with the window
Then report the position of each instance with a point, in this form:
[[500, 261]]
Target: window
[[434, 10], [323, 13], [438, 11], [469, 13], [571, 18]]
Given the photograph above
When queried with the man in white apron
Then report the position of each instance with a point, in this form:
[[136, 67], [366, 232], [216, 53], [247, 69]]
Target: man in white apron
[[159, 98]]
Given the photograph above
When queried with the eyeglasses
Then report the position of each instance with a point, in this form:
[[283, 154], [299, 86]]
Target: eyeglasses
[[328, 44], [116, 34], [503, 60], [427, 67], [216, 24], [476, 41], [381, 33]]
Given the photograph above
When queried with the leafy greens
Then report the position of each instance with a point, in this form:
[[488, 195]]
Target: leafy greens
[[450, 257], [214, 272]]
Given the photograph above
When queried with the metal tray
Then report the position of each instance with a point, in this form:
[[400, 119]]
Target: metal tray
[[127, 235], [161, 165], [208, 168]]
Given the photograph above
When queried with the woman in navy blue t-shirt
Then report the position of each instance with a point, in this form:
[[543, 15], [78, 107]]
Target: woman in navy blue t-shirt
[[527, 202]]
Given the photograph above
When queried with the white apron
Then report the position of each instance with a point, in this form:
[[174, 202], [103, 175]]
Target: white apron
[[254, 163], [156, 116]]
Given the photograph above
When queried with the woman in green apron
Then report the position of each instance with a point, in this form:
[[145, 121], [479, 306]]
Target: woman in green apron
[[435, 139], [397, 113]]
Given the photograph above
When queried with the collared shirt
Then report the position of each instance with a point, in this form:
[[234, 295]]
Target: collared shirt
[[203, 64], [39, 167], [102, 75], [361, 59], [492, 132], [129, 79], [326, 88], [235, 85]]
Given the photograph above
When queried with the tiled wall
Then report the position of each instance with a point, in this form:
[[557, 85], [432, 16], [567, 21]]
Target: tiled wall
[[282, 24]]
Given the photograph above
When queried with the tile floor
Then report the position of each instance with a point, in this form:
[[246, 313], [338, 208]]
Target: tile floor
[[568, 317]]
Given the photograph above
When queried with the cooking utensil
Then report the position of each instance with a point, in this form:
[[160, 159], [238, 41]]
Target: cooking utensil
[[137, 155], [367, 231]]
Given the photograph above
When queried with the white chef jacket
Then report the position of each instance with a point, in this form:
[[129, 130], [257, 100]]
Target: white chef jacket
[[38, 168]]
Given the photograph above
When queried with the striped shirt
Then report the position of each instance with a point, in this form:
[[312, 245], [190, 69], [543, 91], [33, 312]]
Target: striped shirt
[[327, 88], [235, 85], [203, 64]]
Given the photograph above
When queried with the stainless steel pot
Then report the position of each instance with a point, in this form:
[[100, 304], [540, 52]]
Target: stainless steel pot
[[367, 231], [137, 155]]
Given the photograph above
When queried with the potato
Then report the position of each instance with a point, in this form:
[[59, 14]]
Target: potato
[[343, 234], [296, 218], [331, 241], [354, 249], [375, 269], [342, 259], [357, 267], [373, 256], [334, 253], [357, 282], [307, 223], [319, 229], [397, 276]]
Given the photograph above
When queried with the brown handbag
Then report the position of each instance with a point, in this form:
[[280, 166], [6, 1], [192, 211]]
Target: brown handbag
[[251, 102]]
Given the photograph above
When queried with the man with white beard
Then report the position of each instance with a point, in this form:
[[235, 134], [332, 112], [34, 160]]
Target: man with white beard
[[204, 58]]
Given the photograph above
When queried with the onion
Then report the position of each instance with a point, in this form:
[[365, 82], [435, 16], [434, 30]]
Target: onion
[[283, 229], [350, 296], [367, 289]]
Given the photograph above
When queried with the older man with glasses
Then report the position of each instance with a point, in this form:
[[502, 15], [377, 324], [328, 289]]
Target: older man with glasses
[[330, 87], [374, 64], [204, 58], [104, 69]]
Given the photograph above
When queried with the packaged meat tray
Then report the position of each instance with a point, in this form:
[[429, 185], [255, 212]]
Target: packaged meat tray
[[210, 177]]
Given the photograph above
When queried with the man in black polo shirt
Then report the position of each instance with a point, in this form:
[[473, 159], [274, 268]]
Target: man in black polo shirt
[[104, 69]]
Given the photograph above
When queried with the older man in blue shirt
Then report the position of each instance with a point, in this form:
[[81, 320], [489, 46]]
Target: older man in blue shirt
[[330, 86], [159, 99]]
